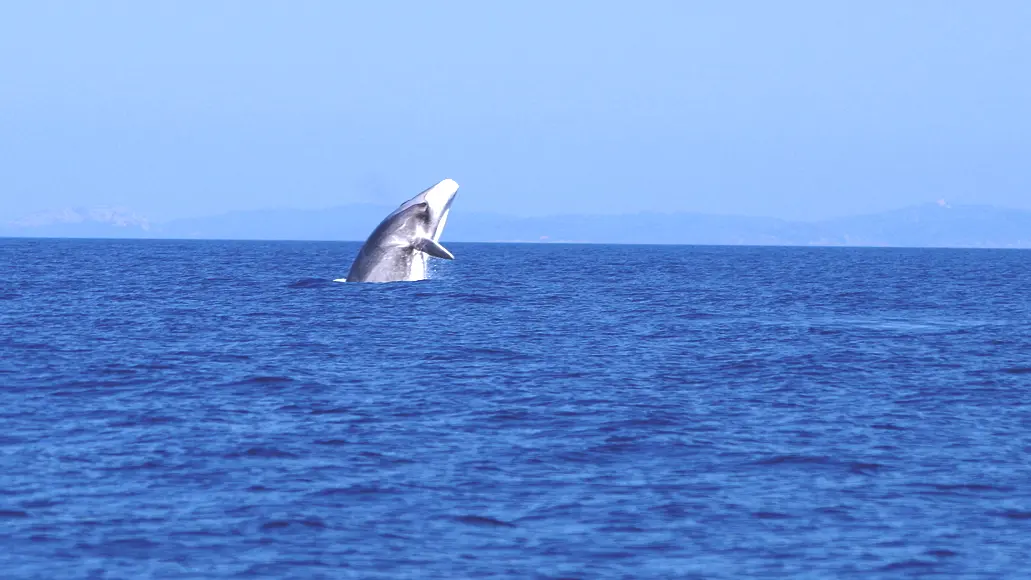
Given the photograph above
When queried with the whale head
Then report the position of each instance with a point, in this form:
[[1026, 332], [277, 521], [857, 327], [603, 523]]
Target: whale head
[[435, 205], [397, 249]]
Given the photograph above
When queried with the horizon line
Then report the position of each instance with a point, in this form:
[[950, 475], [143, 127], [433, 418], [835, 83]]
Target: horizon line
[[523, 242]]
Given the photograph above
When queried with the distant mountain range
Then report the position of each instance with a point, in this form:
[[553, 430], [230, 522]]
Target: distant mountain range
[[929, 225], [81, 222]]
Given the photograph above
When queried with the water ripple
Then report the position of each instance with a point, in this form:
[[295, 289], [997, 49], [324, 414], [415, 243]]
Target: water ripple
[[204, 409]]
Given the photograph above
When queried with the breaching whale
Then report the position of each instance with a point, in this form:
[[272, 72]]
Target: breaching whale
[[397, 249]]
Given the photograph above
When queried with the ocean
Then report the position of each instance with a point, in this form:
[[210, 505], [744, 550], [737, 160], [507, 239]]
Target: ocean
[[215, 409]]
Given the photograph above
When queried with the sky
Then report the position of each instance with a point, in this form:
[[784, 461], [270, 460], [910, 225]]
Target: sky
[[791, 109]]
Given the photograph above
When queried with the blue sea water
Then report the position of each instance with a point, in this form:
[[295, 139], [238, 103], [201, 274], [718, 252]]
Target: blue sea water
[[220, 409]]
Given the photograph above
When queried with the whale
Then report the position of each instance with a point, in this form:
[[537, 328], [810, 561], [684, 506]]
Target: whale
[[398, 249]]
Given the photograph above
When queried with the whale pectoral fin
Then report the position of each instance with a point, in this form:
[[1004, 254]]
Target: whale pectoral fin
[[432, 248]]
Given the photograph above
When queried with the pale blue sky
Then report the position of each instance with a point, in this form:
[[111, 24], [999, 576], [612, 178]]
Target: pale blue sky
[[788, 109]]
